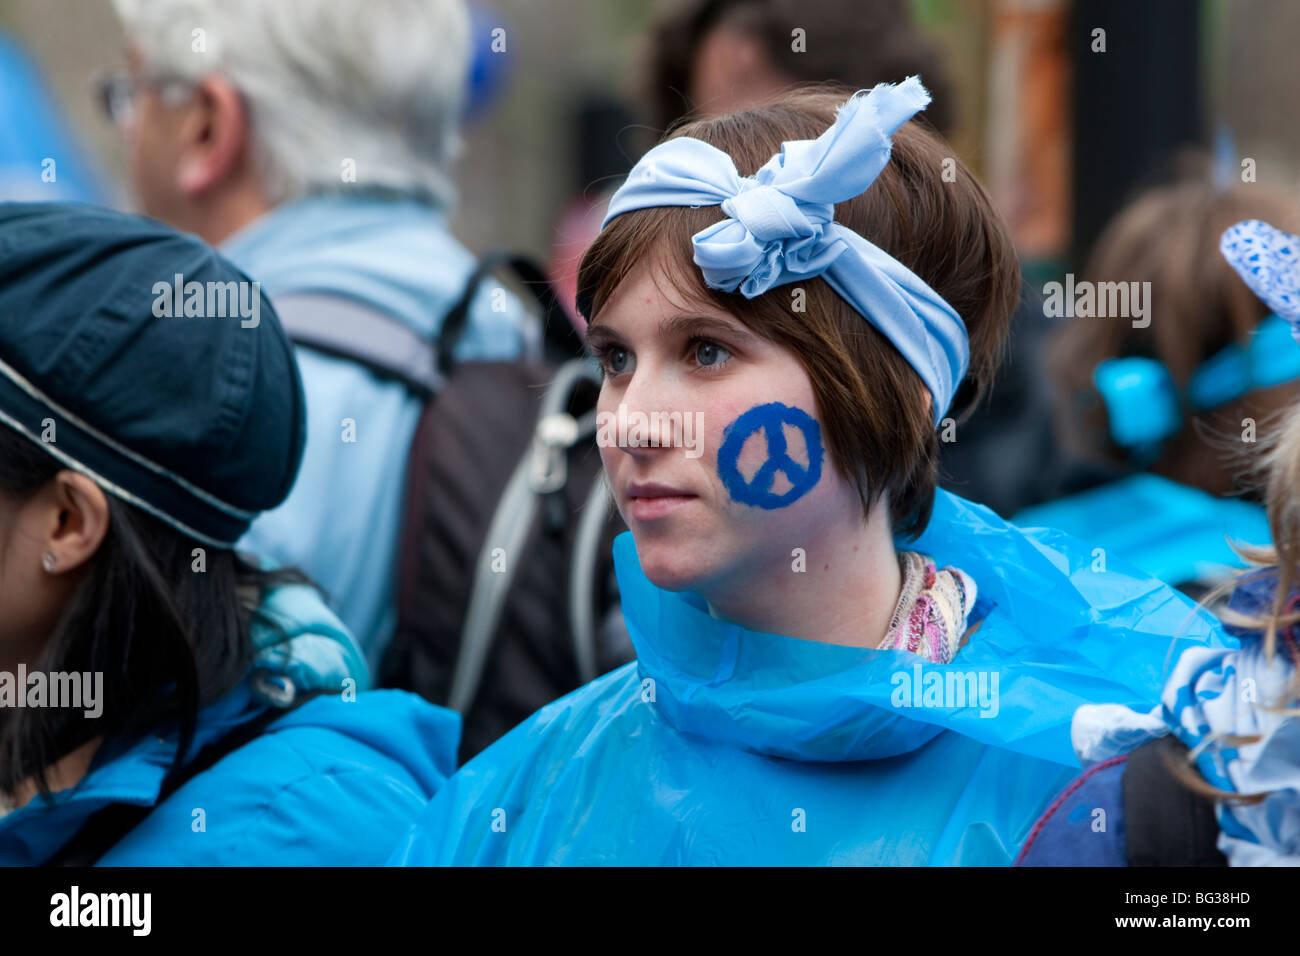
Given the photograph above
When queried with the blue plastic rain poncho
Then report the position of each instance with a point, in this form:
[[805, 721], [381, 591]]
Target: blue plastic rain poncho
[[726, 746]]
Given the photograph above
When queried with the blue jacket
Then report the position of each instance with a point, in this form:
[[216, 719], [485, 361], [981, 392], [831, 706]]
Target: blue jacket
[[721, 745], [334, 782], [341, 522], [1174, 532]]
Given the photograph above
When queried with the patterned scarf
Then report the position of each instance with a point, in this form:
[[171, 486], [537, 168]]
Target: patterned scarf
[[932, 609]]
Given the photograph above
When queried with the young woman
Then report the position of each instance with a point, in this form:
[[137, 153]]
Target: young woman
[[807, 690], [141, 429]]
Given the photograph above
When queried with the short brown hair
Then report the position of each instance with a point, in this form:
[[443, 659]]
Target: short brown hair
[[879, 432]]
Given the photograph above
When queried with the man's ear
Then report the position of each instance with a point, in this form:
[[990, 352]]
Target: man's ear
[[214, 137], [80, 522]]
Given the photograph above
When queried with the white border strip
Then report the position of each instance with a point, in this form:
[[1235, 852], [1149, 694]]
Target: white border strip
[[197, 492]]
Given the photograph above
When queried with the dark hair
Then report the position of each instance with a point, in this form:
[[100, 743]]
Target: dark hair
[[879, 430], [168, 640], [852, 43]]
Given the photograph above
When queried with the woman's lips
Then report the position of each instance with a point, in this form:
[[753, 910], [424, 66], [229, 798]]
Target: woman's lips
[[646, 502], [648, 509]]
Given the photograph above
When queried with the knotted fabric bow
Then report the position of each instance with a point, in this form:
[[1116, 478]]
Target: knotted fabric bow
[[781, 228], [1268, 261]]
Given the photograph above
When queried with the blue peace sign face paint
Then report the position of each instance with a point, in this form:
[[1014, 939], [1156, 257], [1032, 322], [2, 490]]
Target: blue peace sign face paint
[[772, 420]]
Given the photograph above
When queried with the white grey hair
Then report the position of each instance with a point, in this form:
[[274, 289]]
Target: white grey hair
[[378, 82]]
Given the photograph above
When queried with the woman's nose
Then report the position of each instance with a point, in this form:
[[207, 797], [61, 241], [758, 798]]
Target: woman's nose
[[648, 418]]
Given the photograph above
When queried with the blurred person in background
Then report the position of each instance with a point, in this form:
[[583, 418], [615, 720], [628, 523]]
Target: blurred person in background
[[213, 711], [720, 56], [312, 141], [1156, 409], [1208, 777]]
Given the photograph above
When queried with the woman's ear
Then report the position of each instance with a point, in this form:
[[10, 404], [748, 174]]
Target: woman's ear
[[80, 522]]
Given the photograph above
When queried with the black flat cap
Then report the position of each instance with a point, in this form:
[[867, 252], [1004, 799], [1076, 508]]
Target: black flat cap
[[163, 369]]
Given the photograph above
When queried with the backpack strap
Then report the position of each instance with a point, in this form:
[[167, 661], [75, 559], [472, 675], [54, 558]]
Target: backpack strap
[[541, 471], [1165, 823], [107, 827], [345, 328], [582, 580]]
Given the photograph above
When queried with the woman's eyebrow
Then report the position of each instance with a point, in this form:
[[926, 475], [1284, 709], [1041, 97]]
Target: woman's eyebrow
[[687, 324], [599, 334]]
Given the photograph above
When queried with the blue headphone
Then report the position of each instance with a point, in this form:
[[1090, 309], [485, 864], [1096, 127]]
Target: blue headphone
[[1142, 401]]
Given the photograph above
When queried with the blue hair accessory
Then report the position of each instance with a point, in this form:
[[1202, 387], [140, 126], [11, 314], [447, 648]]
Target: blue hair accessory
[[1268, 260], [1142, 402], [780, 227]]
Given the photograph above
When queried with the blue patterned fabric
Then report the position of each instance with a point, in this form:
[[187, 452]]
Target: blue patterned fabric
[[1268, 260], [1212, 696]]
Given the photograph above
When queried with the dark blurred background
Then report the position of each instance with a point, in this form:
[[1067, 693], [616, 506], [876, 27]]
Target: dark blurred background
[[1067, 110]]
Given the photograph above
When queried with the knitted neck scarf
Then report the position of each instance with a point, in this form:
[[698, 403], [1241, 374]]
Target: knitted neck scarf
[[930, 618]]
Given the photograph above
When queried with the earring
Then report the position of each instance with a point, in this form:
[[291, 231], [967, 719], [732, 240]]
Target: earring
[[48, 561]]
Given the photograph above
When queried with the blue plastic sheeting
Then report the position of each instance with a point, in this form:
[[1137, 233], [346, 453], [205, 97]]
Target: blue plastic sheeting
[[726, 746], [1171, 531], [33, 134]]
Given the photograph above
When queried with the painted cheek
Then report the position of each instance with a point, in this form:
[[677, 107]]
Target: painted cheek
[[770, 456]]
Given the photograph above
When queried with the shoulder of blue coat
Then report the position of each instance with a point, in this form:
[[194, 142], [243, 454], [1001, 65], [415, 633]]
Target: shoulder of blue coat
[[334, 782], [1174, 532], [380, 727], [589, 710]]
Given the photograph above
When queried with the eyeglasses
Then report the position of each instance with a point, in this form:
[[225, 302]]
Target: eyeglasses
[[115, 93]]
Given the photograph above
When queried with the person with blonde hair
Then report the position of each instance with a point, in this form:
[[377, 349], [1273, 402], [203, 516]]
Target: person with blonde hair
[[1210, 776]]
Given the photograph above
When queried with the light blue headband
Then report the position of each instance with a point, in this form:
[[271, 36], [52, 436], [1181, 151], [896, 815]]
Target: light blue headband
[[781, 226]]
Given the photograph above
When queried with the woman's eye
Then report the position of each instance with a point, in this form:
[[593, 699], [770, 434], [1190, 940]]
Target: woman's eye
[[617, 360], [710, 353]]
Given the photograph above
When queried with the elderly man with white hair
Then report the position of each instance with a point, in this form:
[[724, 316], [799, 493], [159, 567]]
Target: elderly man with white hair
[[311, 141]]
